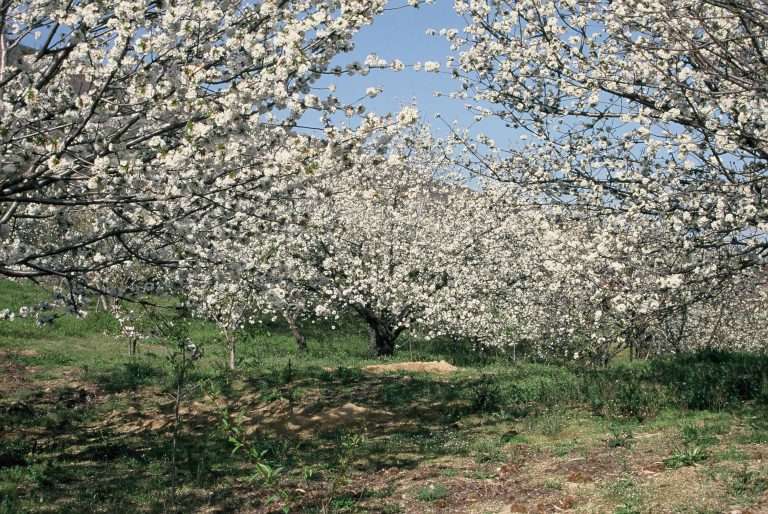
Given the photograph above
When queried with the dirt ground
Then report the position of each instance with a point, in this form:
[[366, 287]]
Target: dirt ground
[[437, 367]]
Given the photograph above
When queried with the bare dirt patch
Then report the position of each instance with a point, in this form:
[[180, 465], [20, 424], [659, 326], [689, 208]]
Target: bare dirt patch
[[279, 417], [308, 421], [438, 367]]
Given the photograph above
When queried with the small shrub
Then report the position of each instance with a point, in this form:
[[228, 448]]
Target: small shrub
[[632, 399], [432, 493], [486, 396], [557, 389], [714, 379], [621, 436], [344, 503], [517, 401], [686, 456]]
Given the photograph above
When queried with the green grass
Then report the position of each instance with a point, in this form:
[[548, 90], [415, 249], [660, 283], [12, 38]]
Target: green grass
[[63, 451], [625, 493], [745, 484]]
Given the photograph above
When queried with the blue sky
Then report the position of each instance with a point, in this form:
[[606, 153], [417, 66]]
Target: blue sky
[[401, 34]]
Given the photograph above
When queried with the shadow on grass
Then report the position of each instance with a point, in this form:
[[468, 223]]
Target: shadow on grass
[[128, 376], [105, 470], [121, 462]]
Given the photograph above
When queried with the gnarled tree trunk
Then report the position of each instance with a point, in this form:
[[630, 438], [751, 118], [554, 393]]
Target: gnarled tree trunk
[[381, 340], [382, 331]]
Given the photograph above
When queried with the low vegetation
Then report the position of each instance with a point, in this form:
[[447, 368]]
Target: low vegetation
[[87, 428]]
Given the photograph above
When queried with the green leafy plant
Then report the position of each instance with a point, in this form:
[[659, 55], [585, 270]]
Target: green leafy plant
[[686, 456], [181, 359], [266, 473], [348, 443], [621, 436], [486, 396], [432, 493], [633, 400]]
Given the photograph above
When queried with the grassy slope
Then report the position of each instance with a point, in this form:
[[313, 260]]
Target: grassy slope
[[83, 428]]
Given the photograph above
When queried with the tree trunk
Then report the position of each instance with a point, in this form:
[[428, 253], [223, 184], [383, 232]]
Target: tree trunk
[[230, 352], [132, 344], [381, 339], [381, 335], [301, 341]]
